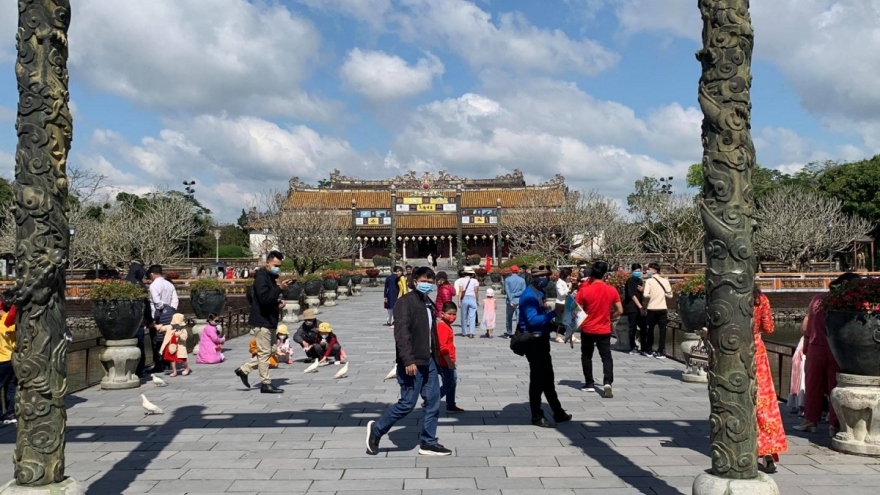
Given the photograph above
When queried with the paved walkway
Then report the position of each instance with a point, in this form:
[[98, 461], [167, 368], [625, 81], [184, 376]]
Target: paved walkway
[[215, 437]]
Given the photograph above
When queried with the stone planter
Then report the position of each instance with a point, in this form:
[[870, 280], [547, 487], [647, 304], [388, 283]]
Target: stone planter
[[312, 288], [692, 312], [331, 284], [290, 313], [118, 320], [342, 293], [856, 400], [207, 302], [621, 333], [854, 338], [329, 298], [357, 279], [344, 280], [356, 285], [292, 292], [313, 302]]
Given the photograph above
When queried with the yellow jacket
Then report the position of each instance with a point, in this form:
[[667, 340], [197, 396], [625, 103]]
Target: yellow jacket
[[402, 285], [7, 341]]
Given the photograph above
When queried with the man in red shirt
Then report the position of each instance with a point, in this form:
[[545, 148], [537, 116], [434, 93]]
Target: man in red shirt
[[601, 303]]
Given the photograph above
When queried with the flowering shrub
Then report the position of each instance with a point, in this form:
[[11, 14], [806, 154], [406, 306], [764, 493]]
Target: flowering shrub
[[116, 290], [204, 284], [691, 286], [505, 272], [618, 278], [861, 294], [331, 274]]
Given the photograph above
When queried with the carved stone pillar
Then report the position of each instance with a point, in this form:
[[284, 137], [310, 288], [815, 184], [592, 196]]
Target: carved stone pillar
[[727, 209], [45, 129]]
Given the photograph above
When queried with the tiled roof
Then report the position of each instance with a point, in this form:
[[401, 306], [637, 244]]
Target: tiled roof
[[427, 221], [484, 198]]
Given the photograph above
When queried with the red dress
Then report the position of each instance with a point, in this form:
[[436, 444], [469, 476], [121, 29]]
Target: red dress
[[771, 432], [169, 356]]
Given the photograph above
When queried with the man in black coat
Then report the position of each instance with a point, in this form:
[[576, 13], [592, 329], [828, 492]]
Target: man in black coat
[[266, 306], [418, 355]]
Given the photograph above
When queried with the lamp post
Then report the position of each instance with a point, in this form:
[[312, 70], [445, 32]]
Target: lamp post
[[498, 234], [217, 247], [353, 230], [190, 193], [828, 226], [459, 243]]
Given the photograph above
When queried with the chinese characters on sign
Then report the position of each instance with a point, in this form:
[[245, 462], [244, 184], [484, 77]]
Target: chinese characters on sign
[[425, 204], [479, 216], [373, 217]]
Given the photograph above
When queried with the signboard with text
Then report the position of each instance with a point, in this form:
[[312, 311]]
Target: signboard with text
[[477, 216], [373, 217], [425, 204]]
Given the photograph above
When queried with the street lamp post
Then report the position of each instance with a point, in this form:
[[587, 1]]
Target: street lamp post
[[353, 230], [190, 193], [217, 248], [828, 226]]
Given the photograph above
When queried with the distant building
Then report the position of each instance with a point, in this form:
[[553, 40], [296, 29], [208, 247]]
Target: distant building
[[422, 214]]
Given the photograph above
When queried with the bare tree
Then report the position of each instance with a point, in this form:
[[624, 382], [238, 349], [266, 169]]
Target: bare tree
[[7, 229], [672, 227], [86, 185], [797, 224], [310, 236], [621, 241]]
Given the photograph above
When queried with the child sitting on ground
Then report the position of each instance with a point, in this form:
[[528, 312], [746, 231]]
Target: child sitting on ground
[[211, 343], [446, 342], [276, 354], [283, 351], [328, 346], [489, 312]]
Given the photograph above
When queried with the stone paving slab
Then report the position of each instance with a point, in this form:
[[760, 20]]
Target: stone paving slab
[[217, 437]]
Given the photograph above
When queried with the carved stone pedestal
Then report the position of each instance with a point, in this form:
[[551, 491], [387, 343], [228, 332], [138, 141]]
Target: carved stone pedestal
[[120, 359], [195, 335], [708, 484], [67, 487], [695, 373], [621, 334], [856, 400], [342, 293], [329, 298], [356, 290], [313, 302], [290, 313]]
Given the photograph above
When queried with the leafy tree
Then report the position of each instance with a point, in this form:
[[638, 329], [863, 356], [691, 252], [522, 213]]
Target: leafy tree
[[6, 195], [242, 220], [857, 185], [764, 180]]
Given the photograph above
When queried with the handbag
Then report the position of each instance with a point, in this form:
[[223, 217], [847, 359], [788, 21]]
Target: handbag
[[519, 343]]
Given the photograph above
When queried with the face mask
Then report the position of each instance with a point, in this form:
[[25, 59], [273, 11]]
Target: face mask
[[275, 270], [449, 318], [425, 287], [542, 282], [648, 274], [637, 274], [309, 323]]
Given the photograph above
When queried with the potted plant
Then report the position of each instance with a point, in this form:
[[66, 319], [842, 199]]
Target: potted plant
[[331, 280], [691, 305], [481, 272], [344, 277], [358, 276], [852, 325], [495, 275], [618, 279], [312, 284], [207, 296], [118, 308]]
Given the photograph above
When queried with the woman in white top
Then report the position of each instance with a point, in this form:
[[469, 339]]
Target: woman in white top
[[564, 286], [467, 289]]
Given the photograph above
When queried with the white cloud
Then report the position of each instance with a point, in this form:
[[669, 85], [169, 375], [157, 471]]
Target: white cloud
[[373, 12], [251, 154], [381, 77], [199, 55], [8, 26]]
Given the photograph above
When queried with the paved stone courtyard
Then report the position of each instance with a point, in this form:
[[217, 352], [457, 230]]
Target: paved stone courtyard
[[215, 437]]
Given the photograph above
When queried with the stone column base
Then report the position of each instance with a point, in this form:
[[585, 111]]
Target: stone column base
[[329, 298], [622, 336], [342, 293], [693, 374], [356, 290], [709, 484], [119, 359], [195, 334], [856, 400], [313, 302], [67, 487]]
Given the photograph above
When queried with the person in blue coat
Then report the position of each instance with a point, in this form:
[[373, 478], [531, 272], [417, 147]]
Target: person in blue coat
[[392, 292], [536, 320]]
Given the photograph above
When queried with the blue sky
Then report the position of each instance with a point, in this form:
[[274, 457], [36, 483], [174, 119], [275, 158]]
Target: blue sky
[[240, 96]]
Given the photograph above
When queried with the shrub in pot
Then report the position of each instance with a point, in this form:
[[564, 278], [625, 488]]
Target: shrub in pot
[[852, 325], [357, 277], [495, 275], [344, 277], [118, 308], [312, 284], [207, 296], [691, 304], [293, 291], [372, 272], [331, 280]]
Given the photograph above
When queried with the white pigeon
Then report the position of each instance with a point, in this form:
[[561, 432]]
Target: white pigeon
[[342, 373], [158, 381], [150, 407], [391, 374], [313, 368]]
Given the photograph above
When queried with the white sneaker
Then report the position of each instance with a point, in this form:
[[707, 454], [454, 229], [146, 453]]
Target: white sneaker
[[608, 392], [591, 388]]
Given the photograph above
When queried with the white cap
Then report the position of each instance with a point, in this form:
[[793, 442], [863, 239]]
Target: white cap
[[490, 292]]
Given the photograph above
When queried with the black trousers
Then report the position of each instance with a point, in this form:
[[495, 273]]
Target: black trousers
[[317, 351], [636, 323], [10, 383], [656, 318], [541, 379], [603, 343], [140, 345], [156, 343]]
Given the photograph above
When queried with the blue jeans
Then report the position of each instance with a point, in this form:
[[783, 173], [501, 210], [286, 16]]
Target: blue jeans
[[511, 310], [424, 384], [450, 378], [468, 314]]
